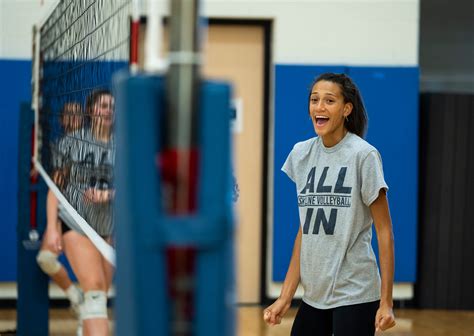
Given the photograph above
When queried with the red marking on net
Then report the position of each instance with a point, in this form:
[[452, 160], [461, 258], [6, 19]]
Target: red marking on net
[[134, 29]]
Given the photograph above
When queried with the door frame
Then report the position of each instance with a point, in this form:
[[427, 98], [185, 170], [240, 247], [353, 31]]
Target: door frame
[[267, 133]]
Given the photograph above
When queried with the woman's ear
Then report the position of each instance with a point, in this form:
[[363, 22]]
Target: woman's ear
[[348, 109]]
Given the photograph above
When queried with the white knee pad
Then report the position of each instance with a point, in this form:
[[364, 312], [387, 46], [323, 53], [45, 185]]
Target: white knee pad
[[48, 262], [95, 305]]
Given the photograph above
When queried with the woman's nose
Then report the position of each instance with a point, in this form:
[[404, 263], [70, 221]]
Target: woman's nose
[[320, 105]]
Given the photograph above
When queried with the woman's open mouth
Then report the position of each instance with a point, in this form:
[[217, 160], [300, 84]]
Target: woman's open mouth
[[321, 120]]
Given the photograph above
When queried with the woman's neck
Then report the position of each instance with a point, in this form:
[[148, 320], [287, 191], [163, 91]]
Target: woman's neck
[[102, 133], [334, 138]]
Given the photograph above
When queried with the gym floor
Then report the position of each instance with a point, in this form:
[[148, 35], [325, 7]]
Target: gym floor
[[410, 322]]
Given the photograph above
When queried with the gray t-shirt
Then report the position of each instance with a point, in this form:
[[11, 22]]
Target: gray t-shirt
[[335, 187], [90, 165]]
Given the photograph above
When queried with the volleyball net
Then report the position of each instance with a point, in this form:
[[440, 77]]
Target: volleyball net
[[173, 133], [77, 49]]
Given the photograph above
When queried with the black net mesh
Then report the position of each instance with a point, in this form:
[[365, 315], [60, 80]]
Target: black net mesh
[[82, 44]]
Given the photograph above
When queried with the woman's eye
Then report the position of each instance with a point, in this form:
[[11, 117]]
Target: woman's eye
[[330, 101]]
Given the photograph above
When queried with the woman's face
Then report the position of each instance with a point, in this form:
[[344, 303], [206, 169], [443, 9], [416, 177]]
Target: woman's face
[[328, 109], [103, 110]]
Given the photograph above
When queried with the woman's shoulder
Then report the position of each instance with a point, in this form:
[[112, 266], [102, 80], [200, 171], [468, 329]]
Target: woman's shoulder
[[305, 144], [361, 146]]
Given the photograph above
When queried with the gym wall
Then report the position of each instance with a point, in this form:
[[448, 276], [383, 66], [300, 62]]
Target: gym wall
[[375, 42]]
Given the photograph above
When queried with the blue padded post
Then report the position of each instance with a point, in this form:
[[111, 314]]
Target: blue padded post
[[32, 299], [144, 231], [141, 285]]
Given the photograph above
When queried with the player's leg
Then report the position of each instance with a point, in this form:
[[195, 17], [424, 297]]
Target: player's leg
[[109, 269], [48, 262], [86, 262], [47, 257], [355, 320], [310, 321]]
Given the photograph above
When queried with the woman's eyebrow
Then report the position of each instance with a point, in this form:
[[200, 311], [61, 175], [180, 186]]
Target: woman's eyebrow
[[326, 93]]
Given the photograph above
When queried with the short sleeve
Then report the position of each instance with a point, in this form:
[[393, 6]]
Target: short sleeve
[[372, 178], [288, 166], [58, 154], [55, 156]]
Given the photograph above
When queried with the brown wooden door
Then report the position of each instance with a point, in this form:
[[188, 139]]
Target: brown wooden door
[[235, 53]]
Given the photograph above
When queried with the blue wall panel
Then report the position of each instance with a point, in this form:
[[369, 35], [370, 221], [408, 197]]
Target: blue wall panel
[[14, 89], [391, 97]]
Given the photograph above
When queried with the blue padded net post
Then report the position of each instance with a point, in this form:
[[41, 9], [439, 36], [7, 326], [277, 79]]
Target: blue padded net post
[[143, 228], [32, 283]]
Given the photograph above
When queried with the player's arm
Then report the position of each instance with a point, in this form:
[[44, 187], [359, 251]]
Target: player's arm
[[51, 210], [383, 226], [52, 235], [274, 313], [95, 195], [100, 188]]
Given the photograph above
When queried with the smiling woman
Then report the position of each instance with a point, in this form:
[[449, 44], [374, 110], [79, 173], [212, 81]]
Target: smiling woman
[[341, 192]]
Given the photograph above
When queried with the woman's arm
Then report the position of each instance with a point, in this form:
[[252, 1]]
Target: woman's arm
[[95, 195], [51, 211], [383, 226], [274, 313], [52, 235]]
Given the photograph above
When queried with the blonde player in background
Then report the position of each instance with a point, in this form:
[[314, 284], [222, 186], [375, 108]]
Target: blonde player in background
[[51, 246]]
